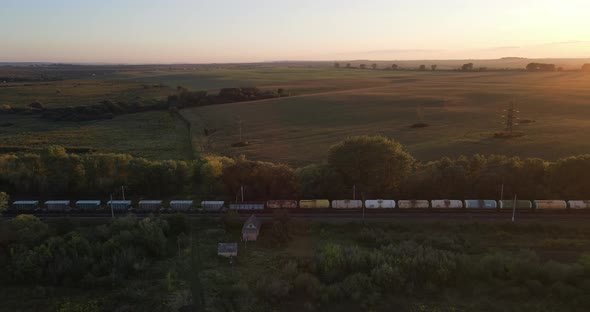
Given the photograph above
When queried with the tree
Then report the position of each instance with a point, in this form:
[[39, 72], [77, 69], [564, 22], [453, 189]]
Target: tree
[[394, 66], [375, 164], [281, 227], [586, 67], [336, 65], [363, 66], [348, 65], [540, 67], [422, 67], [3, 202], [433, 67], [36, 105], [467, 67], [374, 66]]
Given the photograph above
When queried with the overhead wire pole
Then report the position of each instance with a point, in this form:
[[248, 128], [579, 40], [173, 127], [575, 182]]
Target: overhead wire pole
[[511, 117], [123, 191], [111, 204], [514, 208]]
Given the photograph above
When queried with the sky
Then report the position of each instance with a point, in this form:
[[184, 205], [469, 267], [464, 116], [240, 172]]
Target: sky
[[221, 31]]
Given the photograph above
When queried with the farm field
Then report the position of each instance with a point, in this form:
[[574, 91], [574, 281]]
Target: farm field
[[462, 110]]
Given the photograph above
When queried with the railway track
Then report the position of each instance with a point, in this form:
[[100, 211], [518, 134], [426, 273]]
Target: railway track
[[354, 215]]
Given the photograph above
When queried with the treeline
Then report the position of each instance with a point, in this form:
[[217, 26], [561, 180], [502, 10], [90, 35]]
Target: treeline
[[107, 109], [54, 172], [104, 110], [376, 167], [185, 98]]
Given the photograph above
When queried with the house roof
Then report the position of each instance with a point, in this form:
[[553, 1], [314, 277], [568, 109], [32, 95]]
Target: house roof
[[252, 221], [227, 248]]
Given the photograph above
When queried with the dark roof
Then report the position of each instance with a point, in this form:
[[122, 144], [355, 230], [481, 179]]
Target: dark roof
[[227, 248], [252, 220]]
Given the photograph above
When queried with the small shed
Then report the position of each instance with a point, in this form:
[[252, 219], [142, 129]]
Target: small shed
[[251, 229], [227, 249]]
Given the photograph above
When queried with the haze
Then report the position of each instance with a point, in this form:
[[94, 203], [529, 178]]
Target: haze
[[249, 31]]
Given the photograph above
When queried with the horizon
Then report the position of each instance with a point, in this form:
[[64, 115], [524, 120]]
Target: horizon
[[231, 31]]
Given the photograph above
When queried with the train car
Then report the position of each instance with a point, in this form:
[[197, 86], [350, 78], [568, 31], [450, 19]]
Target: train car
[[578, 204], [550, 204], [347, 204], [520, 204], [88, 205], [481, 204], [413, 204], [379, 203], [213, 205], [25, 205], [149, 205], [181, 205], [119, 205], [281, 204], [246, 206], [57, 205], [314, 204], [447, 204]]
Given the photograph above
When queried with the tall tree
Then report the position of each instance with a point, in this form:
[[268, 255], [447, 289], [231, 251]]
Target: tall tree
[[467, 67], [376, 165], [433, 67]]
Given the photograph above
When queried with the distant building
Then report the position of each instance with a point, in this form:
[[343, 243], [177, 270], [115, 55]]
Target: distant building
[[251, 229], [227, 249]]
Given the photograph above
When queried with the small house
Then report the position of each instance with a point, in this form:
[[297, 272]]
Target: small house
[[227, 249], [251, 229]]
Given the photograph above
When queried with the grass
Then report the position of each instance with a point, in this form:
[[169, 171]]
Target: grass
[[153, 135], [77, 92], [463, 111]]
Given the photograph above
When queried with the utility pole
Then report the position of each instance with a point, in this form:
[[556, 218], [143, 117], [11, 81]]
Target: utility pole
[[239, 122], [242, 192], [111, 204], [511, 117], [502, 193], [514, 208], [354, 192], [123, 191]]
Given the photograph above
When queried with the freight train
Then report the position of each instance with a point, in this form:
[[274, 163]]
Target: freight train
[[149, 206]]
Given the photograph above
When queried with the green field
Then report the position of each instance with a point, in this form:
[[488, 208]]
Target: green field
[[463, 111], [153, 135]]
